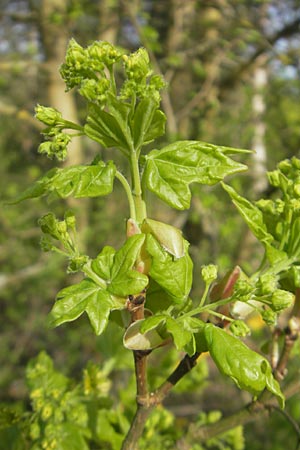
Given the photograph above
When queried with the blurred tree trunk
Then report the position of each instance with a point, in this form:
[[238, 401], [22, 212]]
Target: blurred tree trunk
[[259, 158], [181, 24], [55, 35], [109, 20]]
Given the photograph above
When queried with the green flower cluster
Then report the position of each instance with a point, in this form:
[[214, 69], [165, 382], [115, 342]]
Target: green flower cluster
[[57, 147], [63, 231], [54, 403], [88, 69], [140, 81], [58, 140], [91, 70]]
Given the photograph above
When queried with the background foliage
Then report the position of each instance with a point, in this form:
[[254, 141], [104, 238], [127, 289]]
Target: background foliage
[[233, 73]]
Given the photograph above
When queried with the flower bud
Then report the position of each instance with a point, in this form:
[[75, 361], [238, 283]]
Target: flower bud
[[285, 166], [48, 116], [239, 328], [295, 163], [48, 224], [269, 316], [281, 300], [209, 273], [137, 65], [267, 283], [70, 220]]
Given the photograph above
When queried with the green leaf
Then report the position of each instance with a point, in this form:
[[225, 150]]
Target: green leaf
[[157, 127], [152, 322], [181, 336], [110, 130], [135, 339], [85, 181], [85, 296], [293, 247], [142, 120], [248, 369], [103, 263], [169, 171], [78, 181], [174, 276], [157, 298], [124, 280], [38, 189], [275, 256], [251, 214], [169, 237]]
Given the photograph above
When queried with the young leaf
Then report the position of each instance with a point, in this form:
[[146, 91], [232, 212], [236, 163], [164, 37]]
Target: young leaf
[[103, 263], [78, 181], [157, 127], [84, 181], [248, 369], [180, 335], [124, 280], [116, 268], [169, 237], [142, 121], [158, 299], [86, 296], [174, 276], [169, 171], [38, 189], [108, 130], [134, 339], [251, 214]]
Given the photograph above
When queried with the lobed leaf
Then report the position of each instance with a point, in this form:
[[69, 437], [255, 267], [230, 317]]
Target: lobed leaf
[[170, 171], [86, 296]]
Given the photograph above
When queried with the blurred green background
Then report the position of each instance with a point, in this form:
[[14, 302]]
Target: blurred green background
[[233, 73]]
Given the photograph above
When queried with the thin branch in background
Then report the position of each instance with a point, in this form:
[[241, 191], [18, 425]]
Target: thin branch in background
[[291, 420]]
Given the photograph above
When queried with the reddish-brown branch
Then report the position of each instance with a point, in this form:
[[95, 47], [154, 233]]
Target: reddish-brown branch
[[146, 402]]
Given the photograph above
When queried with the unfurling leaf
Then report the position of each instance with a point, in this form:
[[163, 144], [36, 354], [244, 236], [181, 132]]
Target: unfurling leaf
[[134, 339], [173, 275], [169, 171], [169, 237]]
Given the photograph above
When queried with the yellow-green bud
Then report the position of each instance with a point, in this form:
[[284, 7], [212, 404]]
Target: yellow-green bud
[[269, 316], [239, 328], [281, 300], [209, 273], [267, 283], [49, 116]]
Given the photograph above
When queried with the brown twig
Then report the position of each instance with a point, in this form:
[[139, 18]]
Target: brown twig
[[146, 402]]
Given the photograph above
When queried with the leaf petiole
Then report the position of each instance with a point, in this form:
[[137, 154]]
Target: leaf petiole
[[127, 189]]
